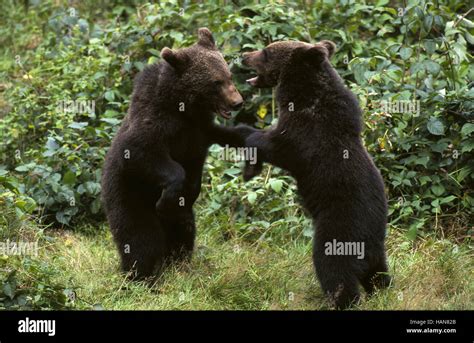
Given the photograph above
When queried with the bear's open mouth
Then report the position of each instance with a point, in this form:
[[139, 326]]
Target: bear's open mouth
[[253, 81], [224, 113]]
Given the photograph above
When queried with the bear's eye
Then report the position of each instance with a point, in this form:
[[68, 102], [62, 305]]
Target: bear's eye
[[218, 82]]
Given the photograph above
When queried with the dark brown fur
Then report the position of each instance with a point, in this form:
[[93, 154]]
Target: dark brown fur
[[319, 143], [152, 173]]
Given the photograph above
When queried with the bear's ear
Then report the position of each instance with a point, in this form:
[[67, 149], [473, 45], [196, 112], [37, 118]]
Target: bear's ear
[[315, 53], [330, 46], [206, 39], [176, 60]]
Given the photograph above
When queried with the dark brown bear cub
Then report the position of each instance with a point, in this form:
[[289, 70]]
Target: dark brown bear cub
[[152, 172], [317, 139]]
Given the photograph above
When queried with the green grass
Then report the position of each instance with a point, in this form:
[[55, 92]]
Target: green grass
[[229, 272]]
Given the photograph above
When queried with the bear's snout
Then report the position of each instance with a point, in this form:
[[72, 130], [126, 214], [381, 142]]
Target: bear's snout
[[235, 100], [237, 104], [232, 97], [246, 58]]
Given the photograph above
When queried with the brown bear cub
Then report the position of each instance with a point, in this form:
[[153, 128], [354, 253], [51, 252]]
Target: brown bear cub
[[152, 172], [317, 139]]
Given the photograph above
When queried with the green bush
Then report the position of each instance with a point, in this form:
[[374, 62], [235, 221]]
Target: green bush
[[26, 282], [422, 52]]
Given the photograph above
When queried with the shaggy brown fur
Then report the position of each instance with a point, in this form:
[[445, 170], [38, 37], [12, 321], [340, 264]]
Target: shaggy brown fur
[[317, 139], [152, 173]]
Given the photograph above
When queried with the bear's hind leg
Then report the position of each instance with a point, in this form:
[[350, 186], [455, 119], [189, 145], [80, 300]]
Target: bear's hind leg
[[180, 237], [376, 277], [338, 279], [142, 251], [342, 290]]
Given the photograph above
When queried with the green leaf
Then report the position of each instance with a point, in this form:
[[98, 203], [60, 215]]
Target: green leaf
[[109, 95], [467, 129], [419, 12], [447, 199], [252, 197], [417, 67], [151, 18], [232, 171], [428, 23], [412, 232], [152, 60], [78, 125], [393, 49], [308, 231], [467, 147], [437, 190], [92, 188], [22, 300], [463, 173], [22, 168], [423, 161], [414, 228], [154, 52], [405, 53], [276, 185], [177, 36], [99, 75], [51, 144], [430, 46], [440, 146], [460, 51], [69, 178], [470, 38], [9, 290], [112, 121], [139, 65], [435, 126], [95, 205], [439, 21], [359, 72], [62, 218], [466, 22], [432, 67]]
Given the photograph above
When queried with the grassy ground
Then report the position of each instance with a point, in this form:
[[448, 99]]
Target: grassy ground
[[229, 272]]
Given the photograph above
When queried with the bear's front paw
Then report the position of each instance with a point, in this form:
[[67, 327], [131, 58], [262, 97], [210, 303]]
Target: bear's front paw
[[251, 170], [252, 140], [244, 131]]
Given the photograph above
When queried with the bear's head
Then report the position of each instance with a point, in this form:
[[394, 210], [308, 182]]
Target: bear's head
[[277, 57], [204, 75]]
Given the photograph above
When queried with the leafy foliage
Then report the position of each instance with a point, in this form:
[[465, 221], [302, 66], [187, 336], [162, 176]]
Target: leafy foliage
[[420, 52]]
